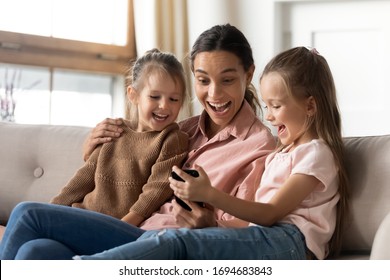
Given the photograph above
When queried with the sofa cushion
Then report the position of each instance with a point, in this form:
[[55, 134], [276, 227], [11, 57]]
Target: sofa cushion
[[36, 161], [368, 161]]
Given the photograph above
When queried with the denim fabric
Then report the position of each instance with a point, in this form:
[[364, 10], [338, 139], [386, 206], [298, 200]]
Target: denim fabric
[[48, 231], [282, 241]]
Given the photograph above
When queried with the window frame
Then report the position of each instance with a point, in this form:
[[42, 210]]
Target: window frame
[[34, 50]]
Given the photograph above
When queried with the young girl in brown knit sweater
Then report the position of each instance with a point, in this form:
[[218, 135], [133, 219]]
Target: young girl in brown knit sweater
[[128, 178]]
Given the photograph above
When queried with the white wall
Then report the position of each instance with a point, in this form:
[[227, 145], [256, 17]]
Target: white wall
[[253, 17], [269, 27]]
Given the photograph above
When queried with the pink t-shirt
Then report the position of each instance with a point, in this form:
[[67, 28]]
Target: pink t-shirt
[[233, 159], [316, 215]]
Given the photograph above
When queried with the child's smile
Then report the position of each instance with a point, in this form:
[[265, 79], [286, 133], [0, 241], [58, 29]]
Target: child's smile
[[288, 115]]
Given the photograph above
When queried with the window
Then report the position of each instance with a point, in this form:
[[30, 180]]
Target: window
[[63, 54], [80, 98], [39, 95], [29, 90], [71, 19]]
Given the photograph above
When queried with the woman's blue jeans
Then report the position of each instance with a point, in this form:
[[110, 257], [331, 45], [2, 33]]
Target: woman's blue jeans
[[49, 232], [282, 241]]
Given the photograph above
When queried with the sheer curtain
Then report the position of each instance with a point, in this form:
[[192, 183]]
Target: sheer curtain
[[164, 24]]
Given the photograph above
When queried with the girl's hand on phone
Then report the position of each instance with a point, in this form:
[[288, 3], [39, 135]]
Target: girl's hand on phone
[[193, 189]]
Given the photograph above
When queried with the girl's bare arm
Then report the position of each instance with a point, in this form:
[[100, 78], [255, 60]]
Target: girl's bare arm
[[290, 195]]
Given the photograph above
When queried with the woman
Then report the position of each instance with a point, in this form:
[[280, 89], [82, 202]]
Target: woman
[[227, 140]]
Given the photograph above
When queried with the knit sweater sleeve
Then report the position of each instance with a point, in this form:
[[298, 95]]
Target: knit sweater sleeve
[[82, 183], [157, 191]]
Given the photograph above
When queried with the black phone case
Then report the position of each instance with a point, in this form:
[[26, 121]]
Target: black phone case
[[193, 173]]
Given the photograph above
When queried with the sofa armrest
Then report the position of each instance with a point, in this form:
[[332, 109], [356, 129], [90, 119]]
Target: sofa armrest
[[381, 248]]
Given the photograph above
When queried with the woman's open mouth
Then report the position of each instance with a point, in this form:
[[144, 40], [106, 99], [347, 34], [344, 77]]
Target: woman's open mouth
[[220, 107]]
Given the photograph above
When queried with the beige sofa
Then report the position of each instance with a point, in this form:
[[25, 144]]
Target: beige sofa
[[37, 160]]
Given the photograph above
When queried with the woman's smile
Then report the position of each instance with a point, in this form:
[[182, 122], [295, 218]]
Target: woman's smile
[[220, 108]]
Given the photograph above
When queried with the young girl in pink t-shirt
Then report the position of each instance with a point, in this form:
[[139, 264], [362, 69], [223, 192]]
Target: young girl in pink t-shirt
[[300, 204]]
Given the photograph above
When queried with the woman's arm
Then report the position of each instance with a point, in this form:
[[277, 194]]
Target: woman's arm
[[289, 196], [103, 132]]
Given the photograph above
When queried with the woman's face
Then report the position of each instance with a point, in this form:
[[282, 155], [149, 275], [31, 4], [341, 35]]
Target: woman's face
[[220, 83]]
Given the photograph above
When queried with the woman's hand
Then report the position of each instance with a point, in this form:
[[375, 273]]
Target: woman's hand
[[103, 132], [193, 188], [199, 217]]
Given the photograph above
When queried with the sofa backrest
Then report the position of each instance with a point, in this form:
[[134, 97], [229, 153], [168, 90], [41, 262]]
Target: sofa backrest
[[368, 167], [36, 161]]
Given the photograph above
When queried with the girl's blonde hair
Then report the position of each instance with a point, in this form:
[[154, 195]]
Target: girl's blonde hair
[[152, 61], [306, 73]]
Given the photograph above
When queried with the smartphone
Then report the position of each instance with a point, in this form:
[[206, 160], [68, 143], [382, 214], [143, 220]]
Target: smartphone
[[193, 173]]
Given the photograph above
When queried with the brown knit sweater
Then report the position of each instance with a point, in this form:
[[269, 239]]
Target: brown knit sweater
[[128, 174]]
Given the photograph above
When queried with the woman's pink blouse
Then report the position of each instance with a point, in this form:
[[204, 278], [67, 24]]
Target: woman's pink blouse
[[233, 159]]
